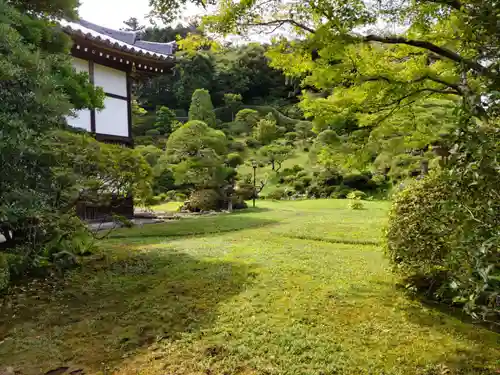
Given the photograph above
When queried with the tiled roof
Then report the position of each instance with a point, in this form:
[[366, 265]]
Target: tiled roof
[[122, 40]]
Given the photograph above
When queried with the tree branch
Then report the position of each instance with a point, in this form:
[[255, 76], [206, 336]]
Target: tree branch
[[456, 88], [279, 23], [434, 48], [455, 4], [395, 104]]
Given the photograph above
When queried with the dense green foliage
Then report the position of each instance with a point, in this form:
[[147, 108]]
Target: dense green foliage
[[205, 200], [444, 231], [266, 130], [245, 121], [47, 171], [201, 108]]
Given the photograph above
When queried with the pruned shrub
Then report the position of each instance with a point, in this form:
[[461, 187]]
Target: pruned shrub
[[205, 200], [236, 146], [355, 204], [234, 159], [299, 187], [180, 197], [252, 143], [356, 194], [359, 181], [306, 180], [328, 177], [277, 194], [443, 238], [201, 108]]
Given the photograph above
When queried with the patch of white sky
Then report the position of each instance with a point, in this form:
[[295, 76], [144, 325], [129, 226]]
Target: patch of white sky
[[112, 13]]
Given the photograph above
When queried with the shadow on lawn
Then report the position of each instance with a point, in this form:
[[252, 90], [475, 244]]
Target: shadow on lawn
[[111, 308], [474, 359], [195, 226]]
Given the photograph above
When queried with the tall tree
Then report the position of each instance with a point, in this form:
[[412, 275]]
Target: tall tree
[[201, 108]]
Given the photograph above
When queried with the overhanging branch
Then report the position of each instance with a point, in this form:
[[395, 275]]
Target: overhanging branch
[[398, 101], [455, 4], [455, 87], [279, 23], [441, 51]]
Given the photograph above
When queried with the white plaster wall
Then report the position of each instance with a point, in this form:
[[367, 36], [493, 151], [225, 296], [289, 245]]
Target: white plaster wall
[[113, 119], [111, 80], [82, 120], [80, 65]]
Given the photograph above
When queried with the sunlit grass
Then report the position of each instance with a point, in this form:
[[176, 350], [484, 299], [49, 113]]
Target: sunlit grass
[[288, 288], [167, 207]]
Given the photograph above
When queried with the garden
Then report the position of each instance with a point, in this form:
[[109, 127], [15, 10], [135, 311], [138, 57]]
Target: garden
[[367, 136]]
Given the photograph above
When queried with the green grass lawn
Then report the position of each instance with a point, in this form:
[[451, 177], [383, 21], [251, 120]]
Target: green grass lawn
[[287, 288], [168, 207]]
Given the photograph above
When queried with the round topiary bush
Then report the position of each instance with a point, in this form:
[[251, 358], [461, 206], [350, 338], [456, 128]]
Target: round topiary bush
[[277, 194], [205, 200], [234, 159], [443, 237]]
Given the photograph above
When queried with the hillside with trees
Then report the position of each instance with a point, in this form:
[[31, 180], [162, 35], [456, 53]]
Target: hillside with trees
[[258, 109]]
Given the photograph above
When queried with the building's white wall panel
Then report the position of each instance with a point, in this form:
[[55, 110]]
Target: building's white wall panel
[[113, 119], [80, 65], [111, 80], [82, 120]]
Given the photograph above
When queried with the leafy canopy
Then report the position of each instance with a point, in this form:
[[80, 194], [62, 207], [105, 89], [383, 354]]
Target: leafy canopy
[[430, 53], [275, 154]]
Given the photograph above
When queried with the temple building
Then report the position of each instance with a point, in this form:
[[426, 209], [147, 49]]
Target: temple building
[[113, 58]]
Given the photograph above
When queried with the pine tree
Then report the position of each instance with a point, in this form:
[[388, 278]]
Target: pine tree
[[201, 108]]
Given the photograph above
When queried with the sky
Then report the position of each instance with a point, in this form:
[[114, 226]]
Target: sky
[[112, 13]]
